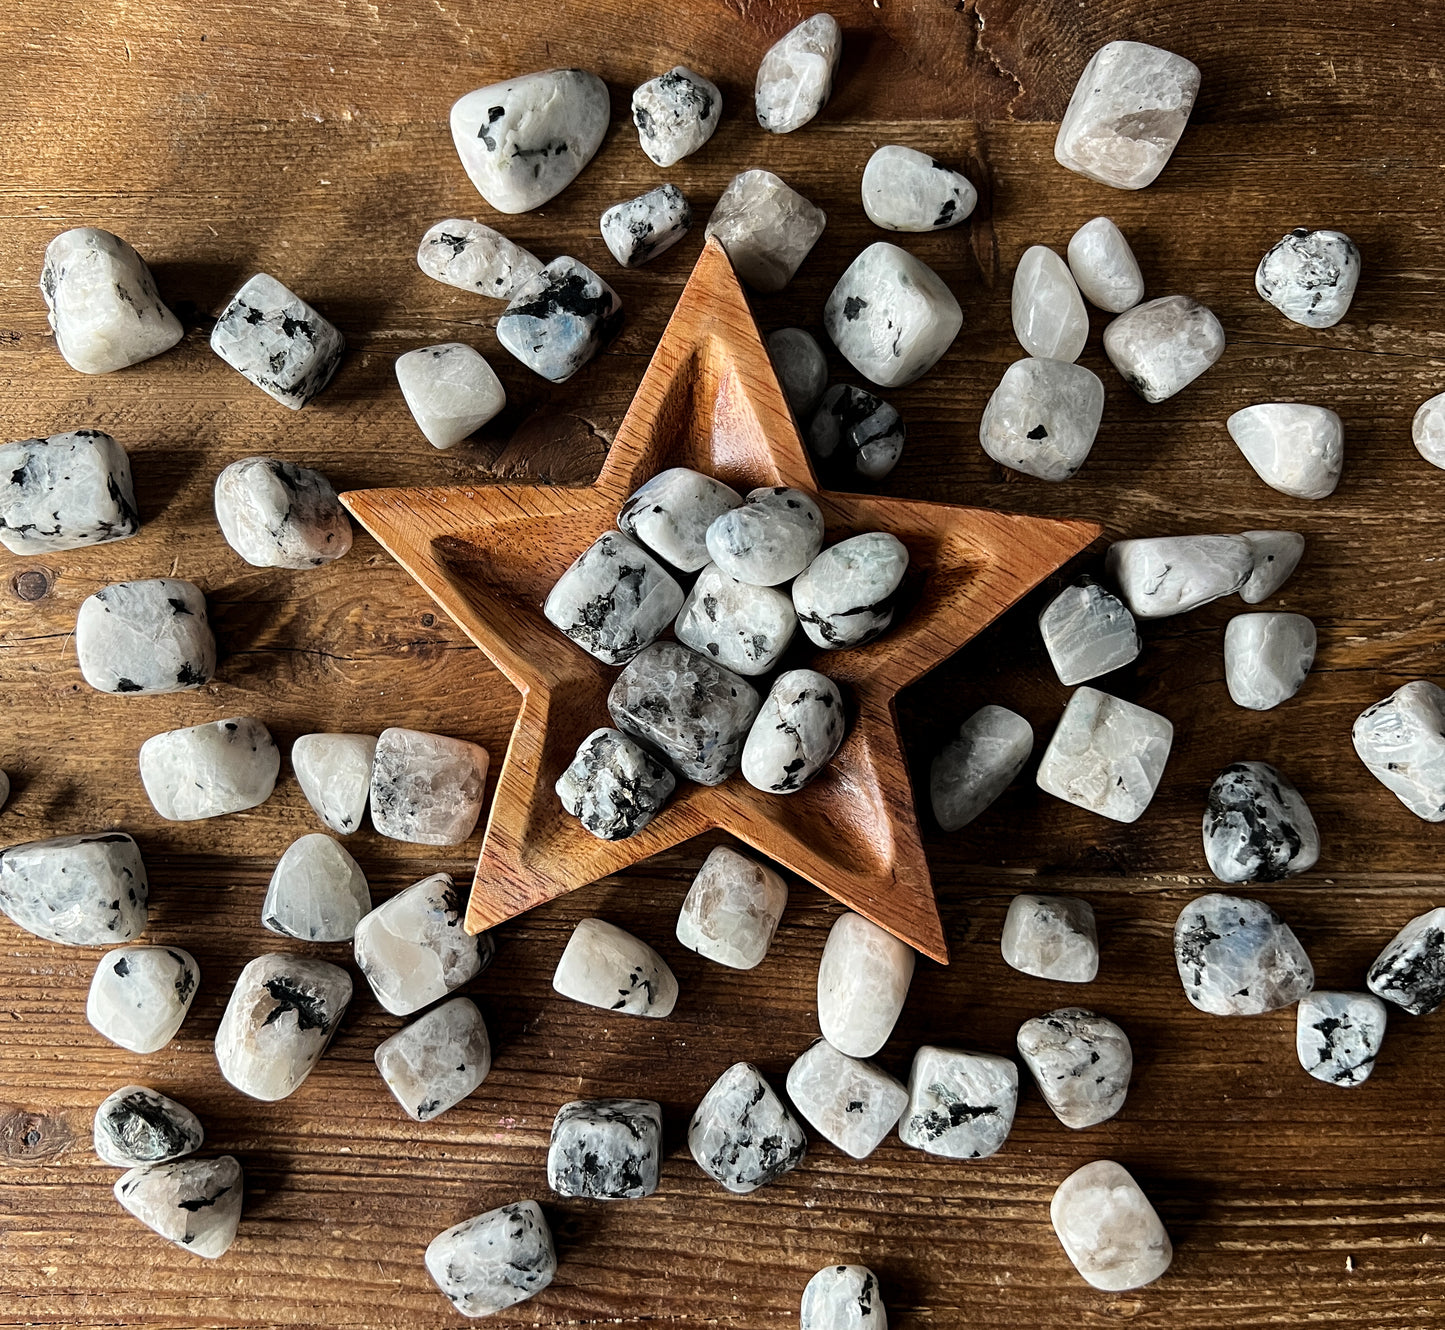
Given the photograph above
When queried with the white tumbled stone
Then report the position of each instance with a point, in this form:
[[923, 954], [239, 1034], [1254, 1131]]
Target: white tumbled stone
[[1108, 1229], [1163, 345], [135, 1125], [1294, 448], [1401, 741], [139, 996], [640, 229], [856, 433], [473, 257], [742, 1134], [1338, 1035], [1104, 267], [1410, 971], [771, 538], [606, 1149], [523, 141], [65, 492], [1042, 418], [731, 911], [435, 1062], [1107, 755], [450, 391], [194, 1203], [560, 319], [795, 78], [992, 746], [850, 1102], [605, 966], [744, 627], [334, 773], [842, 1297], [961, 1105], [150, 636], [1082, 1063], [276, 514], [89, 890], [209, 770], [494, 1261], [907, 190], [1051, 937], [1257, 826], [766, 227], [274, 338], [1088, 632], [1127, 114], [1162, 575], [616, 598], [1310, 276], [1049, 318], [317, 892], [1237, 957], [863, 980], [282, 1014], [801, 367], [672, 512], [1427, 430], [426, 789], [675, 114], [1276, 554], [844, 597], [414, 948], [613, 786], [796, 733], [1267, 657]]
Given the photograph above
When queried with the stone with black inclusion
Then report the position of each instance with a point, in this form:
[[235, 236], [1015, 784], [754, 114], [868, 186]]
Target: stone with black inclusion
[[606, 1149], [742, 1134], [855, 431], [614, 787], [64, 492], [960, 1105], [1257, 826], [150, 636], [274, 338], [560, 319], [642, 228], [1410, 972], [136, 1125]]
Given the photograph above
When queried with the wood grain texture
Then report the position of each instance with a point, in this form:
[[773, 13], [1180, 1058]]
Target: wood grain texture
[[310, 140]]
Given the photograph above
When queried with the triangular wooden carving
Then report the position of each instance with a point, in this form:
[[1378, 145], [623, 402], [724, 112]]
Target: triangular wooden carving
[[709, 400]]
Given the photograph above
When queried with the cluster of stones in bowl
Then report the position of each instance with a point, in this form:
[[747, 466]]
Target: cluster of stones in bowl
[[686, 708]]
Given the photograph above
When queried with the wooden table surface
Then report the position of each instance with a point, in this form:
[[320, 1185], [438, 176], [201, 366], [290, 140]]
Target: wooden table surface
[[310, 140]]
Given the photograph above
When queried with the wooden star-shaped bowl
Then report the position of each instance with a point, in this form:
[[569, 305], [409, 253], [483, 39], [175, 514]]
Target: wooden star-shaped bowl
[[489, 554]]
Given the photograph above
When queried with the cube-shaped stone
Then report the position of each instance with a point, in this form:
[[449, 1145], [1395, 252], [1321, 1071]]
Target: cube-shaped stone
[[605, 966], [844, 597], [1051, 937], [672, 512], [64, 492], [474, 257], [151, 636], [1410, 972], [992, 747], [487, 1264], [426, 789], [209, 770], [863, 980], [450, 391], [1048, 312], [135, 1125], [1087, 632], [1105, 267], [139, 996], [1107, 755], [1163, 345], [1042, 418], [852, 1103], [86, 891], [614, 599], [435, 1062], [276, 514], [1081, 1062], [606, 1149], [1310, 276], [891, 315], [842, 1297], [742, 1135], [194, 1203], [1237, 957], [1267, 658], [1163, 575], [1257, 826], [675, 114], [640, 229], [1108, 1229], [273, 337], [795, 76], [317, 892], [960, 1105], [744, 627], [731, 911], [1401, 741], [334, 773], [1338, 1035], [613, 786], [770, 539], [798, 730], [560, 319], [767, 228], [855, 433], [907, 190]]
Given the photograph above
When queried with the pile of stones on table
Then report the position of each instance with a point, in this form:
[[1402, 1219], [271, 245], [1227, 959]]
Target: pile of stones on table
[[891, 317]]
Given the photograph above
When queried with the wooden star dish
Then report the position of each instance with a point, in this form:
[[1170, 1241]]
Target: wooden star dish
[[489, 554]]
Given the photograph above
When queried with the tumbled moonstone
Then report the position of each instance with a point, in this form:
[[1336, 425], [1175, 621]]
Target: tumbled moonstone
[[849, 1102], [334, 772], [1108, 1229], [844, 598], [731, 911], [855, 431], [795, 78], [209, 770], [426, 789], [86, 891], [1163, 345], [139, 996], [960, 1105], [1401, 741], [280, 1018], [317, 892], [774, 535], [891, 315], [450, 391], [1107, 755], [742, 1135], [145, 637], [1427, 430], [992, 746], [605, 966], [642, 228], [1310, 276], [1042, 418], [194, 1203], [1276, 554], [606, 1149], [1294, 448], [797, 731], [275, 339], [494, 1261], [675, 114], [863, 980], [1237, 957], [1088, 632], [560, 319], [843, 1297], [435, 1062], [1338, 1035], [671, 513], [1257, 826], [1048, 312], [525, 140], [695, 711], [616, 598], [1104, 267], [906, 190], [801, 367], [276, 514], [474, 257], [103, 303], [1267, 657], [743, 627], [1410, 971], [414, 948], [766, 227], [64, 492], [1081, 1062], [1051, 937], [1127, 114], [613, 786], [1163, 575], [135, 1125]]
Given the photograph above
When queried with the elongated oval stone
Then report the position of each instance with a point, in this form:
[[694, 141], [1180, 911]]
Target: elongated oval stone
[[992, 747], [1105, 267], [850, 1102], [843, 1297], [1401, 741], [1081, 1062], [1276, 555], [151, 636], [742, 1134], [139, 996], [672, 512], [616, 598], [614, 787], [1163, 345], [844, 598], [743, 627], [1042, 418], [524, 141], [275, 514], [605, 966], [801, 366], [85, 891], [907, 190], [474, 257], [209, 770], [1310, 276], [1048, 312], [1163, 575], [194, 1203], [863, 981], [1267, 658], [961, 1105], [797, 731], [65, 492], [1294, 448], [1257, 826], [774, 535], [450, 391], [559, 319], [274, 338], [795, 78], [1108, 1229], [1338, 1035], [317, 892], [435, 1062], [426, 789], [1237, 957], [334, 773], [731, 911], [494, 1261], [639, 229], [135, 1125], [1410, 971], [675, 114]]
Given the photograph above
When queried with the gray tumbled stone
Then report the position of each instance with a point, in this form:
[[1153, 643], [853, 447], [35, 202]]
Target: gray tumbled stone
[[1042, 418], [1401, 741], [606, 1149], [614, 599], [276, 514], [151, 636], [1267, 658], [766, 227], [855, 432], [1088, 632], [907, 190], [1106, 755], [742, 1134], [1275, 555], [560, 319], [606, 967], [1163, 345], [992, 747], [843, 1297], [86, 891], [675, 114], [450, 391], [317, 892], [194, 1203], [135, 1125], [209, 770], [139, 996], [65, 492], [1257, 826], [426, 789], [1162, 575], [850, 1102], [642, 228], [1310, 276], [844, 598], [961, 1105], [274, 338], [1105, 267], [1338, 1035], [334, 773], [741, 626], [801, 367], [732, 909], [613, 786], [435, 1062], [772, 537], [1051, 937], [1237, 957]]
